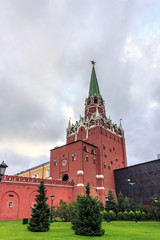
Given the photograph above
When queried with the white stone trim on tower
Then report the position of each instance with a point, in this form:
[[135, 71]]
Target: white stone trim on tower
[[80, 185], [80, 172], [100, 176]]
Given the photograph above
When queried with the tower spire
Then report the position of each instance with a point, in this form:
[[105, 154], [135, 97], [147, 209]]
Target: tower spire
[[94, 88]]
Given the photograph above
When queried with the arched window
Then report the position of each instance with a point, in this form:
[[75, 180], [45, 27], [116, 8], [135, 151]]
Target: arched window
[[55, 162], [73, 157], [85, 149], [93, 152], [93, 160], [65, 177], [37, 176], [109, 167], [86, 158], [95, 100]]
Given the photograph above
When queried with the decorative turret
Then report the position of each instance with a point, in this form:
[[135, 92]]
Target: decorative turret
[[120, 125]]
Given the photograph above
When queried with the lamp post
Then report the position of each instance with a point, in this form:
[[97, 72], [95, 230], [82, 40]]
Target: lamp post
[[52, 197], [157, 205], [108, 219], [132, 184], [3, 167]]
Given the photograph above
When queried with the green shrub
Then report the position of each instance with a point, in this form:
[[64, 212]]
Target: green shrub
[[112, 215], [138, 215], [63, 211], [126, 215], [104, 215], [131, 215], [148, 216], [143, 216], [120, 216]]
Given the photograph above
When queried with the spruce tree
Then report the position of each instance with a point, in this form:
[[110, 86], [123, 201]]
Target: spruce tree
[[126, 204], [111, 203], [39, 221], [86, 218], [120, 202]]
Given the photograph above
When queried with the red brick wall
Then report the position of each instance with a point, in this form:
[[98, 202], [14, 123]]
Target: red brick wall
[[22, 195]]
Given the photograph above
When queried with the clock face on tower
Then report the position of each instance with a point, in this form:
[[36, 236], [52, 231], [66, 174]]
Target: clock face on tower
[[64, 163]]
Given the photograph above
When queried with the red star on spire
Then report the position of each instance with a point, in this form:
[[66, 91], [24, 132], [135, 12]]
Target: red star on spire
[[93, 62]]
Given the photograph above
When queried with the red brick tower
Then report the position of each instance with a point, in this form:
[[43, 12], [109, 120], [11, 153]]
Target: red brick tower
[[95, 148]]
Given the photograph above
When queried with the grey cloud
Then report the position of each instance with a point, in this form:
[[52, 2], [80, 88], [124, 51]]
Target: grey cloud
[[46, 47]]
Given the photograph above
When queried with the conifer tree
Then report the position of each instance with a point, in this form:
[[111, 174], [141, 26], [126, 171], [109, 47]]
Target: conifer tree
[[126, 204], [120, 202], [111, 203], [86, 218], [39, 221]]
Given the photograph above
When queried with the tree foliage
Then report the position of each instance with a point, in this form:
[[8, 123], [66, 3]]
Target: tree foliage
[[120, 202], [111, 203], [86, 218], [39, 221], [126, 204], [64, 210]]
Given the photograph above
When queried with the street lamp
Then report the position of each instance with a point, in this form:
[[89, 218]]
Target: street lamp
[[157, 204], [3, 167], [52, 197], [108, 220], [132, 184]]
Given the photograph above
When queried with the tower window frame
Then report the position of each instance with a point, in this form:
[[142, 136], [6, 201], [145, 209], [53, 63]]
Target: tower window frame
[[73, 157], [93, 152], [86, 158], [55, 162]]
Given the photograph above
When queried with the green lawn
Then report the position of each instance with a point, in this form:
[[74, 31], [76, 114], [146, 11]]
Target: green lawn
[[58, 231]]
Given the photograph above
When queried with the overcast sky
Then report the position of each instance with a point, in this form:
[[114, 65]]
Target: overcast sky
[[45, 52]]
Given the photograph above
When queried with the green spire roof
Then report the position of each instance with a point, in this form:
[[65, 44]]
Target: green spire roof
[[94, 88]]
